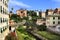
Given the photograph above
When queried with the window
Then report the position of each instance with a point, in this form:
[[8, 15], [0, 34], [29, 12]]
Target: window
[[3, 1], [1, 30], [5, 11], [1, 20], [58, 17], [53, 17], [58, 22], [5, 20], [21, 11], [54, 22], [1, 9]]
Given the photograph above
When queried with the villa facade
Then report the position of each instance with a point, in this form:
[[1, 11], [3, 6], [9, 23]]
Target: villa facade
[[53, 20]]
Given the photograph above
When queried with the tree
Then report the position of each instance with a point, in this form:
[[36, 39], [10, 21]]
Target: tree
[[32, 13], [16, 18], [25, 18], [42, 27]]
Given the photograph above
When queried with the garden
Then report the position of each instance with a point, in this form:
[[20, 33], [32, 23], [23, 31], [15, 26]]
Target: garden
[[23, 35]]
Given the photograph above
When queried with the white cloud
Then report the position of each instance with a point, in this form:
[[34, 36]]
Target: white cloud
[[18, 3]]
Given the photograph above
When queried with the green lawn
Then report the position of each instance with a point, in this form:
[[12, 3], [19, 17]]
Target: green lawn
[[48, 35], [19, 35], [23, 35]]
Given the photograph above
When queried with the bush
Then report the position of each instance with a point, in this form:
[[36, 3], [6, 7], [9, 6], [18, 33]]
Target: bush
[[42, 27]]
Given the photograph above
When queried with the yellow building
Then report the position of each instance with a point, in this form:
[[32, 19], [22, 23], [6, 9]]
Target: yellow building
[[43, 15]]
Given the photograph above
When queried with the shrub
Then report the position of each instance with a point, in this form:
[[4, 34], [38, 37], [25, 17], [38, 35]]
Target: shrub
[[42, 27]]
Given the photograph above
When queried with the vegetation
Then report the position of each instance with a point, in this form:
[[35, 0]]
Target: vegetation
[[25, 18], [32, 13], [20, 37], [42, 28], [16, 18], [21, 32], [49, 35]]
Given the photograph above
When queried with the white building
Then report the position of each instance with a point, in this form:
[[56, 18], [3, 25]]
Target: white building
[[53, 20], [4, 17], [37, 12]]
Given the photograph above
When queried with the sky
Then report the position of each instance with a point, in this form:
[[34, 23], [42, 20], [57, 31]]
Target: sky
[[33, 4]]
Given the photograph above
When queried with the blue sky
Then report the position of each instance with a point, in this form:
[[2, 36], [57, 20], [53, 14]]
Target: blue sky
[[34, 4]]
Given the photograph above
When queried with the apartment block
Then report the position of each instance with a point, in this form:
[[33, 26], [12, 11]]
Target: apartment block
[[4, 17]]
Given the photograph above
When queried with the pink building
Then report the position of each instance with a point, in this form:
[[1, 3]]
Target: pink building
[[22, 13]]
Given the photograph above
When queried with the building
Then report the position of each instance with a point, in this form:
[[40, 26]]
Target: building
[[22, 13], [53, 20], [53, 23], [40, 22], [37, 12], [49, 12], [4, 18], [43, 15]]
